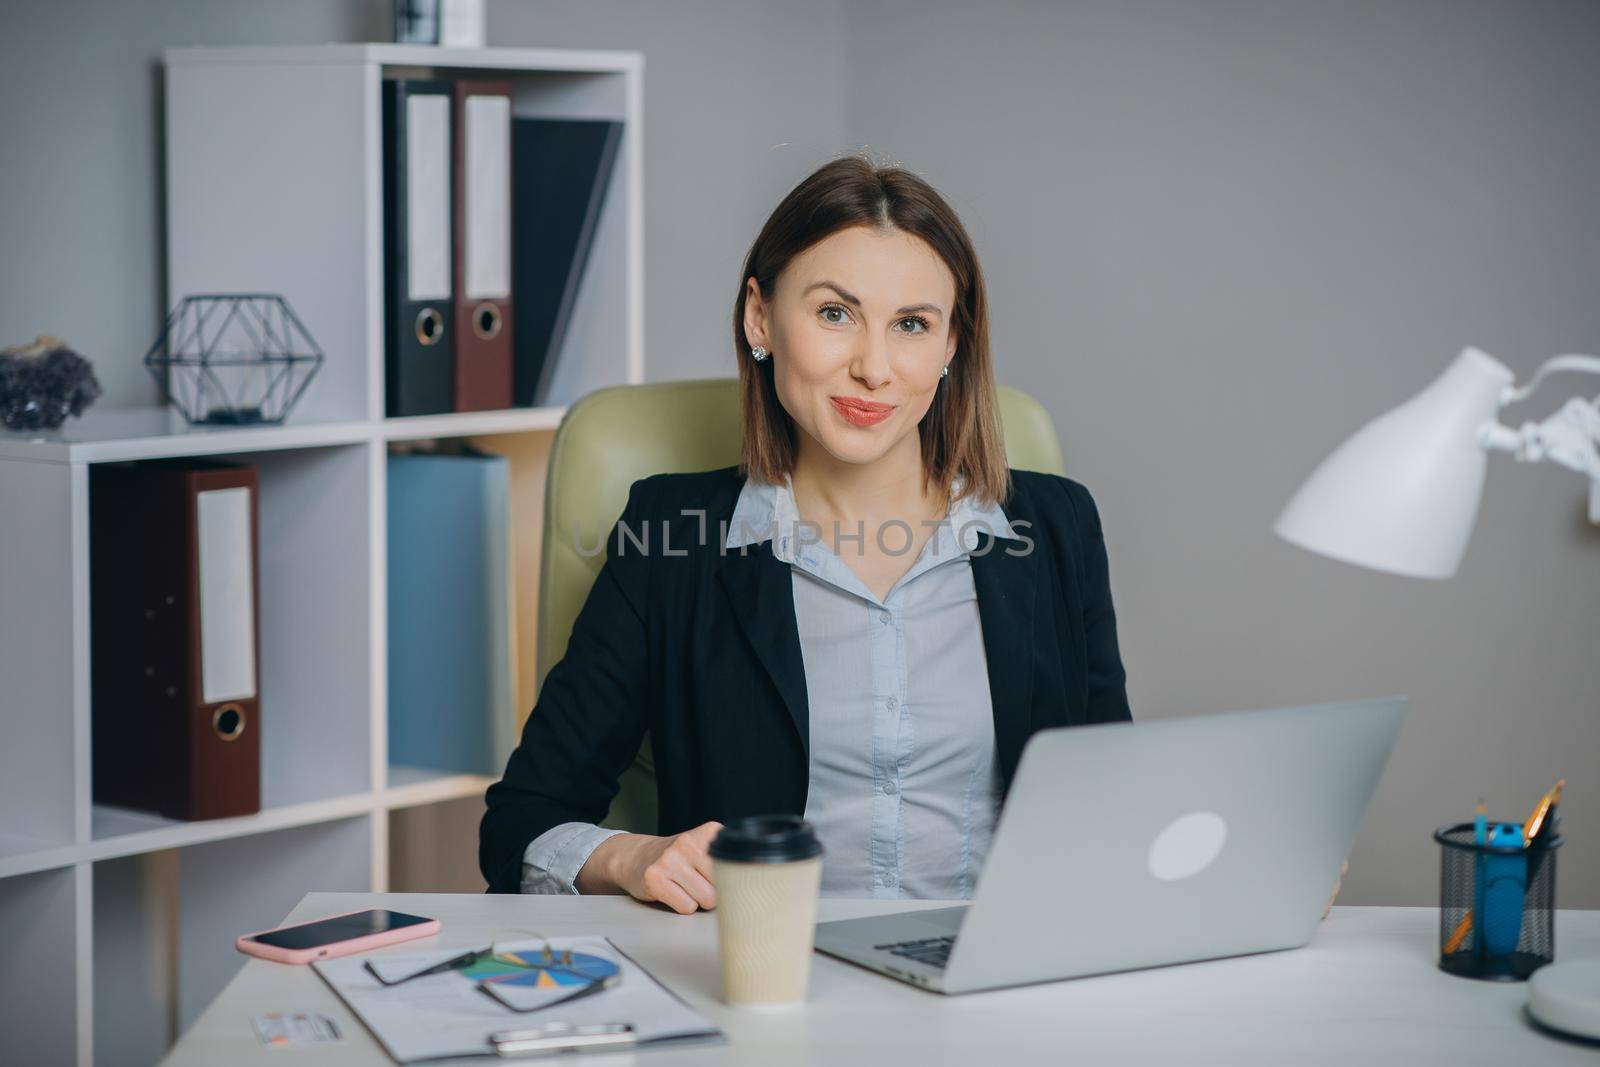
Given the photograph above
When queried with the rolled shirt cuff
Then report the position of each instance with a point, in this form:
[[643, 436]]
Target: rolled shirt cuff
[[554, 858]]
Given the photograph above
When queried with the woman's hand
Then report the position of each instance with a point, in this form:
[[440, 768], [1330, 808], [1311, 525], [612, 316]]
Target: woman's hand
[[675, 871], [1344, 870]]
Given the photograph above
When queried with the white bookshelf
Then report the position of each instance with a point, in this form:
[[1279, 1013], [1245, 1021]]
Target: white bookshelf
[[121, 921]]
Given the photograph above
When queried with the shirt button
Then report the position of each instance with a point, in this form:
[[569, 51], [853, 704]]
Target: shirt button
[[888, 880], [891, 703], [889, 789], [885, 617]]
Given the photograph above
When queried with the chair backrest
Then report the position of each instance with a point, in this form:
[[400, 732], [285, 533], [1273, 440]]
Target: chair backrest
[[613, 437]]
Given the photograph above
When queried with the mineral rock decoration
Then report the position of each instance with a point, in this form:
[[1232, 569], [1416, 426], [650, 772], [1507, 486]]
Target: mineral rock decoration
[[44, 382]]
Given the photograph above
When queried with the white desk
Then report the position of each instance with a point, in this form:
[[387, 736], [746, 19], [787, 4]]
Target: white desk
[[1365, 992]]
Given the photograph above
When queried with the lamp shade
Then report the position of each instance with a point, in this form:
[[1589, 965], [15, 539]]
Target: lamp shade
[[1401, 495]]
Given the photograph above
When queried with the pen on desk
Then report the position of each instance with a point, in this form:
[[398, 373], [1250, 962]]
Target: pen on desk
[[562, 1037]]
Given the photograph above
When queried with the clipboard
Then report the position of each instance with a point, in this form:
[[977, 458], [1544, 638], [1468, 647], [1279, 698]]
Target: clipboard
[[445, 1015]]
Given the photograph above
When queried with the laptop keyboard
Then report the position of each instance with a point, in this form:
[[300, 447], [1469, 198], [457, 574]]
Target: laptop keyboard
[[934, 951]]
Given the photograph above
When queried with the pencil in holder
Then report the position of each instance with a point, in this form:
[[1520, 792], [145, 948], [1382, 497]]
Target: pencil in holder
[[1497, 902]]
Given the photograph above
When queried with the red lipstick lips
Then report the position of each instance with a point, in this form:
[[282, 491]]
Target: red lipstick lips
[[859, 412]]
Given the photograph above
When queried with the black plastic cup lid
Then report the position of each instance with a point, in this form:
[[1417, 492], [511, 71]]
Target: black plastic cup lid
[[766, 839]]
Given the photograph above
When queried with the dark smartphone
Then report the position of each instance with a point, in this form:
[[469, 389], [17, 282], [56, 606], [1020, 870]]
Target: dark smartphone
[[337, 935]]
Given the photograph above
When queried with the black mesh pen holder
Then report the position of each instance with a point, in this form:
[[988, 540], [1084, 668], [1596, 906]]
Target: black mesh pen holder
[[1497, 905]]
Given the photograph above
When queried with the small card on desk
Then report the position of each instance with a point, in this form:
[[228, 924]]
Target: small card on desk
[[282, 1029]]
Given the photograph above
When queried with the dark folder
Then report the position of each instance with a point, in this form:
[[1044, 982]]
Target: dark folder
[[561, 169], [482, 168], [419, 310], [174, 646]]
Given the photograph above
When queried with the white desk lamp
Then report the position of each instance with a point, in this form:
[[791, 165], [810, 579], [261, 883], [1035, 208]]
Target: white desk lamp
[[1401, 495]]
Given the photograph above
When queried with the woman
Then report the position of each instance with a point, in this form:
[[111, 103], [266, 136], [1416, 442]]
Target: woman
[[863, 622]]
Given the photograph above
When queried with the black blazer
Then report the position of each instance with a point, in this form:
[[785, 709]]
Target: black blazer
[[698, 644]]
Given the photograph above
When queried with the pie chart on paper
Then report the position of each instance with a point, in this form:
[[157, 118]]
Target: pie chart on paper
[[528, 969]]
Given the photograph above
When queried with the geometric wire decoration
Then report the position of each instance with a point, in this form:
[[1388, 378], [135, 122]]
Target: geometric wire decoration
[[233, 359]]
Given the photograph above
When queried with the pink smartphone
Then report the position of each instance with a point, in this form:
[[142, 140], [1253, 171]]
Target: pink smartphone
[[337, 935]]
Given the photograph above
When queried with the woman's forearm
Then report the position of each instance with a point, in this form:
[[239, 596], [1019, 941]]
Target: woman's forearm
[[600, 873]]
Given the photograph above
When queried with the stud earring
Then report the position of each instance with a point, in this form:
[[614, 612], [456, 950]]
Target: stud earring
[[758, 354], [946, 372]]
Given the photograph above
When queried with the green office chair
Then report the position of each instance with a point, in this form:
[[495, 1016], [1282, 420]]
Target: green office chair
[[612, 438]]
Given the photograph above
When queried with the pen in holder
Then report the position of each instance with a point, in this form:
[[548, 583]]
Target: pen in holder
[[1496, 902]]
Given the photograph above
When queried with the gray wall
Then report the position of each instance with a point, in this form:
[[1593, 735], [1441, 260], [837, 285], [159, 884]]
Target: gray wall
[[82, 209], [1219, 236]]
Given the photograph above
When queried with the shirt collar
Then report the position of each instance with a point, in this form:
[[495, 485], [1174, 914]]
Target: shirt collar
[[767, 512]]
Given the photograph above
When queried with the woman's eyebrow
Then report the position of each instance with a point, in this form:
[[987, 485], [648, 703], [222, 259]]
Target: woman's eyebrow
[[850, 298]]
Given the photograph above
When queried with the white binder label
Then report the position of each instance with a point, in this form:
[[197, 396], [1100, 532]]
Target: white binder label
[[428, 196], [227, 596], [488, 192]]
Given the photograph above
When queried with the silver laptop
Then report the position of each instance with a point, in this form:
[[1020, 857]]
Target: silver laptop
[[1140, 844]]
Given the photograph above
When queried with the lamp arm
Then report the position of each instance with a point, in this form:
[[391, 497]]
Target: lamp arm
[[1515, 393], [1570, 437]]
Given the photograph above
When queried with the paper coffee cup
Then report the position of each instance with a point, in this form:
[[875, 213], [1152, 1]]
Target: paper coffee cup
[[767, 870]]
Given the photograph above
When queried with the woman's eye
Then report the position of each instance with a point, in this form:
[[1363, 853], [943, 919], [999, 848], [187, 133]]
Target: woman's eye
[[838, 315]]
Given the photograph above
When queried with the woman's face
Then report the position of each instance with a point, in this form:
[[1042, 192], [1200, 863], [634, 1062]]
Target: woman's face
[[859, 329]]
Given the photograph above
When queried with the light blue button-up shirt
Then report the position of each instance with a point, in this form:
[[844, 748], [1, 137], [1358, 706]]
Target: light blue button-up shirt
[[904, 787]]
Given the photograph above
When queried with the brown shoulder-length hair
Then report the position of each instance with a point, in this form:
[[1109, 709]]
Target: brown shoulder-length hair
[[961, 431]]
